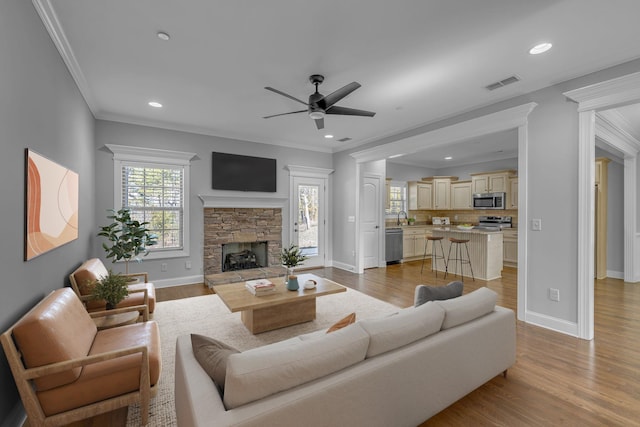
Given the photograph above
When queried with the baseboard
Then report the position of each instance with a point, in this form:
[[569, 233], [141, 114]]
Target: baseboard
[[343, 266], [17, 417], [615, 274], [178, 281], [553, 323]]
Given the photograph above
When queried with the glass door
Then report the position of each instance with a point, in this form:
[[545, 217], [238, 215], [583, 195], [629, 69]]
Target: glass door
[[309, 219]]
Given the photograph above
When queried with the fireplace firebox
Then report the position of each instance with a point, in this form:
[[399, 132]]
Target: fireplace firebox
[[244, 255]]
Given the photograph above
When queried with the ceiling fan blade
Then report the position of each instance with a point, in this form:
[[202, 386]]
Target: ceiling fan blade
[[336, 96], [349, 111], [285, 94], [284, 114], [319, 123]]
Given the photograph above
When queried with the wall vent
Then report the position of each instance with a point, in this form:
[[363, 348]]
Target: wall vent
[[503, 82], [344, 140]]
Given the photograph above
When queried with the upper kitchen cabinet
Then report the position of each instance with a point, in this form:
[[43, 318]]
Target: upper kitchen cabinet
[[441, 190], [420, 195], [512, 198], [461, 195], [491, 182]]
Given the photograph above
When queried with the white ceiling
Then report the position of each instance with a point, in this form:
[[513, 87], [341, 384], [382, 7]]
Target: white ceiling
[[417, 61]]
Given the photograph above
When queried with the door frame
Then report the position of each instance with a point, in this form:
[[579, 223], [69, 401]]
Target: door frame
[[322, 174], [591, 99]]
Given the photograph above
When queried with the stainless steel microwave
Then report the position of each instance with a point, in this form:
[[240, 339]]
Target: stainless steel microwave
[[489, 200]]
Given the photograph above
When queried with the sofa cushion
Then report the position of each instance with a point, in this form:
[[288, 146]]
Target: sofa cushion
[[468, 307], [405, 327], [425, 293], [252, 375], [346, 321], [212, 356], [57, 329]]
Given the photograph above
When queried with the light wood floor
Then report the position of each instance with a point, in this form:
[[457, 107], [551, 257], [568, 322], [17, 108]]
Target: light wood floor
[[557, 380]]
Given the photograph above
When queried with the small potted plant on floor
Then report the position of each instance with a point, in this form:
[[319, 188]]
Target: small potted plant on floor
[[111, 288], [128, 238], [292, 257]]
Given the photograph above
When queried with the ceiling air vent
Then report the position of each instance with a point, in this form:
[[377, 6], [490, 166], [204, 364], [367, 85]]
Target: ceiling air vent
[[503, 82], [344, 140]]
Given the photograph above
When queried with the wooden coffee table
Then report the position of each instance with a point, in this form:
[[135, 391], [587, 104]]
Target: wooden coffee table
[[278, 309]]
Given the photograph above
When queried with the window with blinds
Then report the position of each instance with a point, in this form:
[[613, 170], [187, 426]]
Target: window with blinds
[[155, 194], [397, 198]]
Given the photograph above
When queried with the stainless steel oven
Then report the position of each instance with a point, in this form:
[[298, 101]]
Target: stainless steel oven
[[489, 200]]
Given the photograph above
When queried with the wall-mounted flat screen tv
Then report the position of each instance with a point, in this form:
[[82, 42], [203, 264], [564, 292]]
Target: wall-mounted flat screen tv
[[243, 173]]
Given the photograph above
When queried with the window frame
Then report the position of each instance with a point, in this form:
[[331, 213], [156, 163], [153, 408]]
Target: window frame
[[150, 157], [405, 201]]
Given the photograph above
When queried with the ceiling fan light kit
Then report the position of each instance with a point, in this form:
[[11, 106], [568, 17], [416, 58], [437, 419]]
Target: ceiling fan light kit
[[319, 105]]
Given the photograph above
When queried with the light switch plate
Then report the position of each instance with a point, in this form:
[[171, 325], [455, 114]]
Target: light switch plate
[[536, 224]]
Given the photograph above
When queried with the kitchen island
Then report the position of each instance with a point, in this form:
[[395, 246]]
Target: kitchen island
[[485, 252]]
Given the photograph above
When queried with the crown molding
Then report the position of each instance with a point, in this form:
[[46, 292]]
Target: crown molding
[[608, 94], [52, 24], [210, 201]]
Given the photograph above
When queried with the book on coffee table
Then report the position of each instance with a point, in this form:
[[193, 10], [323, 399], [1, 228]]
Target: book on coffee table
[[260, 286]]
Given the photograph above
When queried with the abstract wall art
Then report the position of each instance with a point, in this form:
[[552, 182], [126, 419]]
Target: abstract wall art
[[51, 209]]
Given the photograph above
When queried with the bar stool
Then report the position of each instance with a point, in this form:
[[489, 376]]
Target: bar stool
[[434, 255], [459, 256]]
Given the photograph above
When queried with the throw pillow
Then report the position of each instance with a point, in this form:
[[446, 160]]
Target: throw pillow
[[351, 318], [426, 293], [212, 355]]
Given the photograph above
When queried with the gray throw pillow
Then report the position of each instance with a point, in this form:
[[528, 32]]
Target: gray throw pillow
[[425, 293], [212, 356]]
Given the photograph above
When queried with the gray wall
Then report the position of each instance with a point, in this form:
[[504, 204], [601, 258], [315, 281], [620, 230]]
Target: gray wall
[[615, 219], [40, 109], [400, 172], [142, 136]]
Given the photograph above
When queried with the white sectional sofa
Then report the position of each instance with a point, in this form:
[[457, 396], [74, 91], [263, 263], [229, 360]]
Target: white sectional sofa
[[396, 370]]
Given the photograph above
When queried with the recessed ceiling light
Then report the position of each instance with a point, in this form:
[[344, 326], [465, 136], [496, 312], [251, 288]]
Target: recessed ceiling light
[[328, 136], [448, 158], [163, 36], [540, 48], [155, 104]]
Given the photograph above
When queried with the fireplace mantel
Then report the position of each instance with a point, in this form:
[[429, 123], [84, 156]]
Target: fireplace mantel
[[241, 202]]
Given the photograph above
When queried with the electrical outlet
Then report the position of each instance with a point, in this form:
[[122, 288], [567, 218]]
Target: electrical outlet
[[187, 265], [163, 266], [554, 294], [536, 224]]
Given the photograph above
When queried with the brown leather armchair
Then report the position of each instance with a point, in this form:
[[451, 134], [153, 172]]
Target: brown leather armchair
[[93, 269], [66, 370]]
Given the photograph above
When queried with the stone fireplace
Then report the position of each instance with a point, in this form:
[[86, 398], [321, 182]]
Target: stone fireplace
[[245, 226]]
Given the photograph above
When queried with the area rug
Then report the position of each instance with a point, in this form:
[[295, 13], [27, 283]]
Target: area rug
[[207, 315]]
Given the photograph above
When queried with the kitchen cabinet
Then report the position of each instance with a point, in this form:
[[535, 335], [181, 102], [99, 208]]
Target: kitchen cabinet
[[441, 190], [512, 197], [491, 182], [420, 195], [510, 247], [413, 240], [461, 195]]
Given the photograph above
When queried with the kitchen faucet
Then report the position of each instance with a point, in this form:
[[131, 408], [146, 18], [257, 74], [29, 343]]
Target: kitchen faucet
[[405, 216]]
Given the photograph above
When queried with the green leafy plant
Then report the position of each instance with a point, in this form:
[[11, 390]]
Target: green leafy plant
[[127, 237], [111, 288], [292, 256]]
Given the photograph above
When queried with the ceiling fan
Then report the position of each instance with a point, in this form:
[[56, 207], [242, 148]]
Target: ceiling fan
[[319, 105]]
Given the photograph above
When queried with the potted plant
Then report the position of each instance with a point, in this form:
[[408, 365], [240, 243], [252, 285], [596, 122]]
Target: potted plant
[[128, 238], [111, 288], [292, 257]]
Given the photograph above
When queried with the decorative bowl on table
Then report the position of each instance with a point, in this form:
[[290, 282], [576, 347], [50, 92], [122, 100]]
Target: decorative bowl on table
[[465, 227]]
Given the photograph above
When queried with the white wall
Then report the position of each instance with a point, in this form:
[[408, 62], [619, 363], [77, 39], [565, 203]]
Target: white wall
[[400, 172], [141, 136]]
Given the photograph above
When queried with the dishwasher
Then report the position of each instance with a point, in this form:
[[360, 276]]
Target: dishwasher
[[393, 245]]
